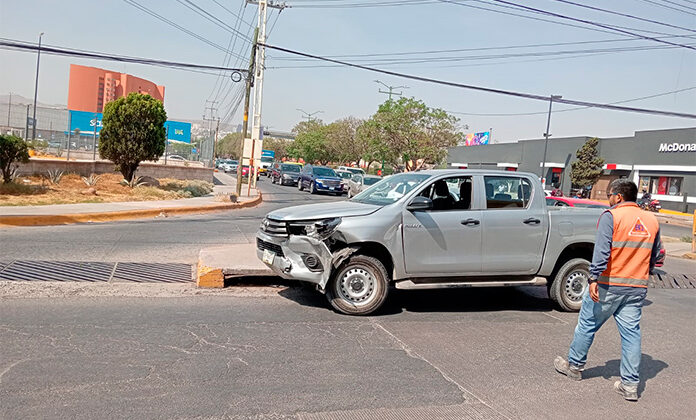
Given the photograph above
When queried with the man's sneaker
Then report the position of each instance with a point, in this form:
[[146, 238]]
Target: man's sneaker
[[629, 392], [563, 367]]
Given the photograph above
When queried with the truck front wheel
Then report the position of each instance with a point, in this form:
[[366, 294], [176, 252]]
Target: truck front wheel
[[569, 284], [359, 286]]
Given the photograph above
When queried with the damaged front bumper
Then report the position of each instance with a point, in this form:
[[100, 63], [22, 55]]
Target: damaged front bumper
[[298, 257]]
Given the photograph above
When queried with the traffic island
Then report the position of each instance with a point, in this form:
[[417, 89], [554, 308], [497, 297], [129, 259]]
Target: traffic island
[[215, 264]]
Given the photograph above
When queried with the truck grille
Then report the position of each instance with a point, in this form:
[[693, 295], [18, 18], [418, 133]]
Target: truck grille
[[263, 245], [274, 227]]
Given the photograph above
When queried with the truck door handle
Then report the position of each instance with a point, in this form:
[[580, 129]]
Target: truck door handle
[[531, 221], [470, 222]]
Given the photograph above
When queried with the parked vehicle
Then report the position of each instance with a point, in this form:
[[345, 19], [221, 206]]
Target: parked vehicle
[[267, 158], [229, 165], [433, 229], [176, 158], [360, 182], [319, 179], [245, 171], [575, 202], [285, 174]]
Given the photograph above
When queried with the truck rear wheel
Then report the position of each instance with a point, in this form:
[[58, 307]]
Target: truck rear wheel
[[359, 286], [569, 284]]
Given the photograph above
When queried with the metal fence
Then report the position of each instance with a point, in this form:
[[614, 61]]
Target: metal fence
[[54, 137]]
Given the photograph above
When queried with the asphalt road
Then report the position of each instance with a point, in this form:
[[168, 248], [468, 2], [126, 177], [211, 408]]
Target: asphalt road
[[460, 354], [179, 239]]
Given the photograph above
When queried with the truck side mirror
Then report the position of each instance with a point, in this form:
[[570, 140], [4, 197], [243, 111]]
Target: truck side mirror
[[420, 203]]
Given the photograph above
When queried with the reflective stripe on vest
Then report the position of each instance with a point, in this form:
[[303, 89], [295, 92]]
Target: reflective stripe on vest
[[631, 246]]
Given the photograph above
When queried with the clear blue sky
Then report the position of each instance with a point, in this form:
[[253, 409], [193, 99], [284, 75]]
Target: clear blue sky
[[114, 26]]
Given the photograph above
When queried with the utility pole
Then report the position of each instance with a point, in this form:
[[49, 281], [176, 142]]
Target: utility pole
[[213, 112], [259, 69], [36, 86], [9, 108], [391, 89], [26, 130], [547, 134], [245, 123], [69, 134], [309, 115], [94, 142], [217, 131]]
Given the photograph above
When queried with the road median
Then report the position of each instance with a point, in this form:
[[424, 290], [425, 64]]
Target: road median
[[112, 216]]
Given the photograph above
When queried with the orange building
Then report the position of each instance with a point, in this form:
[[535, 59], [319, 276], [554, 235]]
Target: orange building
[[91, 88]]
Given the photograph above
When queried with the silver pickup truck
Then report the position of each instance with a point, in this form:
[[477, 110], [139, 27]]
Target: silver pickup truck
[[433, 229]]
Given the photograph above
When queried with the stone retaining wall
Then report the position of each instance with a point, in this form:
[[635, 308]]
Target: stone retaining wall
[[85, 168]]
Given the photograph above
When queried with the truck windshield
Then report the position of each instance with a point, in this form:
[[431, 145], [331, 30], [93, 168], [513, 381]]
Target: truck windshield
[[267, 159], [390, 189]]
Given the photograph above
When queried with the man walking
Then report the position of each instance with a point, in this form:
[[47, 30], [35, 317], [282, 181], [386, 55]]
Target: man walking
[[626, 247]]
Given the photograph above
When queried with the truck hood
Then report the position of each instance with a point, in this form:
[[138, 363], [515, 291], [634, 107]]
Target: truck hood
[[323, 211]]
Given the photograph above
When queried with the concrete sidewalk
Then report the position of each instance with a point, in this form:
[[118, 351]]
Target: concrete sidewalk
[[99, 212]]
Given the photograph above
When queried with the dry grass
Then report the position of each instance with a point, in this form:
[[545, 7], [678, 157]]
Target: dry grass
[[36, 190]]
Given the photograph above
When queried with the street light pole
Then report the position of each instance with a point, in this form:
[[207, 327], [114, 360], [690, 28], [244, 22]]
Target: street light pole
[[309, 115], [546, 141], [36, 87], [391, 89]]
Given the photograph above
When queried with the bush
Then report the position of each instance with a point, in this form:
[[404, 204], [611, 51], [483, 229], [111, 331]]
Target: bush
[[188, 188], [12, 149]]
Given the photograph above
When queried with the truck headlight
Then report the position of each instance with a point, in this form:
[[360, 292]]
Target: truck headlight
[[322, 229]]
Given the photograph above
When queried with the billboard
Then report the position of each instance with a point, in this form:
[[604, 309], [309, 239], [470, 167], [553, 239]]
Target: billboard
[[85, 122], [477, 139], [178, 131]]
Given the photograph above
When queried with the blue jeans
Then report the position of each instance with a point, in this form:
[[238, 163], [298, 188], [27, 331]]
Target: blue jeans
[[627, 311]]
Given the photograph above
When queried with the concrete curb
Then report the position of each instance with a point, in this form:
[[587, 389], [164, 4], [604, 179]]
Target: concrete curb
[[66, 219], [238, 260]]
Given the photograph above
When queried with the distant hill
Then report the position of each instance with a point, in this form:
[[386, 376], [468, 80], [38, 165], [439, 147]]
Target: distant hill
[[19, 99]]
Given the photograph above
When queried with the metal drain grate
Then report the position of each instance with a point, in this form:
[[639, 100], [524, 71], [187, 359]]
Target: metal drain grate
[[57, 271], [153, 272], [672, 281], [80, 271]]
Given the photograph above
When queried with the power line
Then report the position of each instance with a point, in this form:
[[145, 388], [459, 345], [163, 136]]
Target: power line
[[600, 25], [228, 57], [488, 90], [175, 25], [205, 14], [24, 46], [241, 5], [521, 114], [667, 7], [625, 15], [367, 4]]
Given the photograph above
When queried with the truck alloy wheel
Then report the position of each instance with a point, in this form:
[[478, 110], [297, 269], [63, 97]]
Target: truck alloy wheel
[[570, 284], [359, 286]]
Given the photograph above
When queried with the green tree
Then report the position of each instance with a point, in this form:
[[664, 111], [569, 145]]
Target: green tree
[[408, 132], [230, 146], [343, 144], [281, 147], [311, 142], [133, 131], [588, 168], [12, 150]]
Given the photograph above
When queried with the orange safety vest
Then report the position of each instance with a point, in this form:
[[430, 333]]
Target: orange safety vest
[[631, 246]]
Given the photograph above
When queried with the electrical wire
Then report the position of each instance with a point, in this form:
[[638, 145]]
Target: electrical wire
[[242, 4], [47, 49], [228, 57], [486, 89], [625, 15], [367, 4], [205, 14], [592, 23], [521, 114], [667, 7]]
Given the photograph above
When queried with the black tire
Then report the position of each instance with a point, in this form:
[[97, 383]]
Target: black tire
[[273, 181], [312, 188], [349, 195], [569, 284], [299, 185], [364, 272]]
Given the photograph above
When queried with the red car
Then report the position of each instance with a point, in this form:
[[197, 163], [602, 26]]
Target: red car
[[245, 171], [575, 202]]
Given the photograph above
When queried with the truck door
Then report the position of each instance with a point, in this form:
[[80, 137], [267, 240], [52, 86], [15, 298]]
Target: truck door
[[515, 226], [446, 239]]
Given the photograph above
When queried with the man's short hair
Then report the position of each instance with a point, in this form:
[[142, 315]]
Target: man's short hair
[[627, 189]]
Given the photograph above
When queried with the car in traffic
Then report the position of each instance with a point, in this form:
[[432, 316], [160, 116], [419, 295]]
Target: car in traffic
[[176, 158], [345, 177], [319, 179], [351, 169], [245, 171], [433, 229], [358, 183], [285, 174], [228, 165], [575, 202]]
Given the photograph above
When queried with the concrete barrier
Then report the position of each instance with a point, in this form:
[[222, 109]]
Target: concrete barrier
[[38, 166], [238, 260]]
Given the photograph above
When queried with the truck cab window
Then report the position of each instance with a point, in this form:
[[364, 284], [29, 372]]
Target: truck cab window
[[507, 192]]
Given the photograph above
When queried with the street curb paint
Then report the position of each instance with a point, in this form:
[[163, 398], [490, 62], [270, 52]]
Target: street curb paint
[[675, 213], [67, 219], [209, 277]]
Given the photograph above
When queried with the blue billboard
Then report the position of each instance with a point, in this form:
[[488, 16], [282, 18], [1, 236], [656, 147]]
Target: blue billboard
[[85, 122], [178, 131]]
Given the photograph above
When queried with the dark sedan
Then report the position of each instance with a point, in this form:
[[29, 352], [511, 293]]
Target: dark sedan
[[286, 174]]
